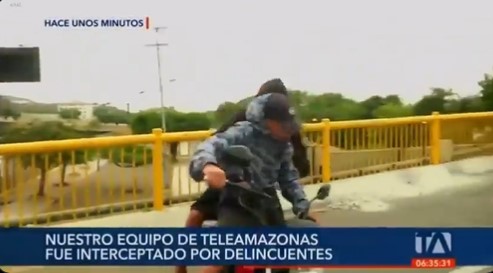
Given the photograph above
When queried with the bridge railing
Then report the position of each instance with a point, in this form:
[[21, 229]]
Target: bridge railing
[[48, 181]]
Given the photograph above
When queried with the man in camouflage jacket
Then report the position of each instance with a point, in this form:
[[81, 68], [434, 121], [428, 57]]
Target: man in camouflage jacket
[[270, 124]]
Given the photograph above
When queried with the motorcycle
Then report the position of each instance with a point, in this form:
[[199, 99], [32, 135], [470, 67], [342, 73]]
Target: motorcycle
[[256, 200]]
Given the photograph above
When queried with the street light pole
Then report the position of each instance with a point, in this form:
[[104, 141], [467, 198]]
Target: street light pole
[[128, 103], [161, 91]]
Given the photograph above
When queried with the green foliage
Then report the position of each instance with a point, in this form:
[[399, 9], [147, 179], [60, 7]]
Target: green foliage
[[334, 106], [69, 113], [182, 122], [129, 156], [49, 130], [471, 104], [225, 111], [329, 105], [436, 101], [487, 92], [144, 122], [44, 131], [371, 104], [8, 109], [309, 107], [211, 115], [393, 110], [30, 106], [244, 102], [110, 114]]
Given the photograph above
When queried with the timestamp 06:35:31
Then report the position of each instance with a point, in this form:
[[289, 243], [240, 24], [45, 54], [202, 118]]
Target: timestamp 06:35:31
[[433, 263]]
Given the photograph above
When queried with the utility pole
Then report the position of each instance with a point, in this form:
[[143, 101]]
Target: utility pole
[[158, 46]]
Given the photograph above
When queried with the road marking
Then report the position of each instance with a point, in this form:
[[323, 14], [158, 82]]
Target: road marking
[[469, 269]]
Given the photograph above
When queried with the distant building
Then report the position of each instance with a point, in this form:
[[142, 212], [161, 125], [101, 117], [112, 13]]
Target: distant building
[[86, 109]]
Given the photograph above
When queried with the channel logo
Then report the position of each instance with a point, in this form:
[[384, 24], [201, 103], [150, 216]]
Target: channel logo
[[433, 242]]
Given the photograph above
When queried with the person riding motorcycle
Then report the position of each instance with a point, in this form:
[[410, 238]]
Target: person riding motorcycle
[[267, 132], [205, 207]]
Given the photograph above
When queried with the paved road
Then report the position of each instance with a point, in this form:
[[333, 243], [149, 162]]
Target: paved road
[[471, 207]]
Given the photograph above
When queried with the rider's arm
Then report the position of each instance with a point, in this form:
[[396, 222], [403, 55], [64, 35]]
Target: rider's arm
[[289, 182], [209, 150]]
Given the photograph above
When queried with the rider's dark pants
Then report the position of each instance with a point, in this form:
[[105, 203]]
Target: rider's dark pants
[[207, 203]]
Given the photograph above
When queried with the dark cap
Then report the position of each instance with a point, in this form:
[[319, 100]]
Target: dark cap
[[278, 108], [272, 86]]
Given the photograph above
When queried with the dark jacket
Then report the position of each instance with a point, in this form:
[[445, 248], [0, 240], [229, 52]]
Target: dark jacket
[[300, 159]]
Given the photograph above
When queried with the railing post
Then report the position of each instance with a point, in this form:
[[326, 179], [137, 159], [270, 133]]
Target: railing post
[[435, 136], [326, 150], [157, 170]]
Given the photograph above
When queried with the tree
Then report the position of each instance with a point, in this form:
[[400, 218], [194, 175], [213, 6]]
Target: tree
[[370, 105], [211, 115], [436, 101], [69, 113], [487, 92], [67, 158], [10, 113], [50, 130], [298, 98], [183, 122], [393, 99], [226, 111], [8, 109], [471, 104], [392, 110], [333, 106], [144, 122], [110, 114]]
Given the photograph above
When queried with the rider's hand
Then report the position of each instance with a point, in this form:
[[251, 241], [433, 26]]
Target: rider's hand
[[214, 176], [301, 208]]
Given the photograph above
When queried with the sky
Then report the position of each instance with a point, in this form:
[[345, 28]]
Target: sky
[[223, 50]]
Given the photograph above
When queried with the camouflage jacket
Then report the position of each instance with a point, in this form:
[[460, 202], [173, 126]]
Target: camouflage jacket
[[272, 163]]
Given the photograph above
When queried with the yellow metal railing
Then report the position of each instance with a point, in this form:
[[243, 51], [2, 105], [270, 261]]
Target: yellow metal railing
[[47, 181]]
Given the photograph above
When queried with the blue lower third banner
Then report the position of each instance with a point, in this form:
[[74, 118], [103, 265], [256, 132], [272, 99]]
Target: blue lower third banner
[[321, 247]]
